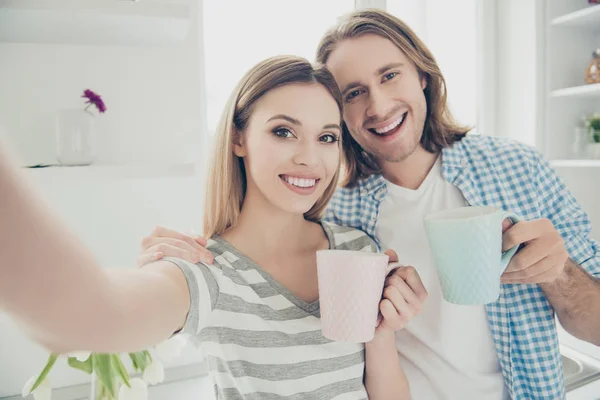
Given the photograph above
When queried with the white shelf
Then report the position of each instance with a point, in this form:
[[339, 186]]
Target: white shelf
[[575, 163], [95, 22], [112, 172], [592, 90], [586, 18]]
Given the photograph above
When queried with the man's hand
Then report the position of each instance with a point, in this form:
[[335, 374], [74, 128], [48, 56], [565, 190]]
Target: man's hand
[[403, 297], [164, 242], [543, 257]]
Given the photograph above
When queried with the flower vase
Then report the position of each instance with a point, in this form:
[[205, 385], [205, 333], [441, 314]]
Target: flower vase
[[93, 386], [594, 144], [75, 137], [580, 143]]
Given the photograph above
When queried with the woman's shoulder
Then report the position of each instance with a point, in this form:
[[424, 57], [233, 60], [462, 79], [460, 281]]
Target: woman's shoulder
[[346, 238]]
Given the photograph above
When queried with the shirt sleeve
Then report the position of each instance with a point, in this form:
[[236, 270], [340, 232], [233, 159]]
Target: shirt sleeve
[[568, 217], [330, 214], [344, 208], [203, 284]]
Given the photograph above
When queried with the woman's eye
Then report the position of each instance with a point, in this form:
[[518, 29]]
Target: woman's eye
[[390, 75], [283, 133], [329, 138]]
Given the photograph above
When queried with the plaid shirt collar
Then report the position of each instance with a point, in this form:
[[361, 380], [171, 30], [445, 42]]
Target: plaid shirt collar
[[454, 161]]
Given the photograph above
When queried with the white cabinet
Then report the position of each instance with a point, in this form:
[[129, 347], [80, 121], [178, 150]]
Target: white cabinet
[[571, 32], [568, 33], [95, 22]]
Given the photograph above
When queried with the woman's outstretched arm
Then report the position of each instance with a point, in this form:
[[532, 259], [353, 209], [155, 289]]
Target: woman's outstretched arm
[[55, 290]]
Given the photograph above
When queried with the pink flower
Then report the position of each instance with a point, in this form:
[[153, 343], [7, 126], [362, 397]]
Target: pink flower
[[93, 98]]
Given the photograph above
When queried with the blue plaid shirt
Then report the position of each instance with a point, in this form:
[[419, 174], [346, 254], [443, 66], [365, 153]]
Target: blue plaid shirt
[[511, 176]]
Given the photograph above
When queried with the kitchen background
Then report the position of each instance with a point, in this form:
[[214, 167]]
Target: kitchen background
[[164, 68]]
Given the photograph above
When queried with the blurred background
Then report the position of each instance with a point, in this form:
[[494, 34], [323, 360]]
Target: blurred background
[[522, 69]]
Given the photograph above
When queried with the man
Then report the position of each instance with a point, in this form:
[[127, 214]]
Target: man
[[406, 157]]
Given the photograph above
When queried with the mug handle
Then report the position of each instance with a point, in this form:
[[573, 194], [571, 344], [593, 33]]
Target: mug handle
[[509, 254], [392, 266]]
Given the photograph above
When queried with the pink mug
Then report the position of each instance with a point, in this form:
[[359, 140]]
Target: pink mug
[[350, 289]]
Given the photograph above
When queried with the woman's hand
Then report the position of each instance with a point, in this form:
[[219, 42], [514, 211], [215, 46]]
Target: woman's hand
[[403, 297]]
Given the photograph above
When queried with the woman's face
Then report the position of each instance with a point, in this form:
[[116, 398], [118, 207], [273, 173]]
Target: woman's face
[[291, 146]]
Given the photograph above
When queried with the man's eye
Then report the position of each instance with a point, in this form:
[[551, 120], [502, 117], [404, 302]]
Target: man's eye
[[352, 94], [390, 75]]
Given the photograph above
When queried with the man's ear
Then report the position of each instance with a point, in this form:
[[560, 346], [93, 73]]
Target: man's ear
[[239, 148]]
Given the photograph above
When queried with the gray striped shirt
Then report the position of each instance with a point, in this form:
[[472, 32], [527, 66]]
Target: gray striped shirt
[[261, 341]]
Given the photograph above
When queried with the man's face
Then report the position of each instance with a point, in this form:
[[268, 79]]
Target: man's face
[[384, 103]]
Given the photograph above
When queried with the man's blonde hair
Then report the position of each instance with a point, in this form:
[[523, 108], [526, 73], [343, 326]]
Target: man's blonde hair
[[440, 129]]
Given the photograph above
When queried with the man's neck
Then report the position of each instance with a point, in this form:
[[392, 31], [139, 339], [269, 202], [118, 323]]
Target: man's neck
[[412, 171]]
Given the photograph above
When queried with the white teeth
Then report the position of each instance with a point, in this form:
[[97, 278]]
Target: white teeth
[[300, 182], [390, 126]]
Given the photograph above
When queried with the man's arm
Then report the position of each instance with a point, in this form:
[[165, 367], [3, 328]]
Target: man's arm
[[559, 255], [575, 296], [573, 293]]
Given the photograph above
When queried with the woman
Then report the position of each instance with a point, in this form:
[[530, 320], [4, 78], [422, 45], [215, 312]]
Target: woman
[[255, 310]]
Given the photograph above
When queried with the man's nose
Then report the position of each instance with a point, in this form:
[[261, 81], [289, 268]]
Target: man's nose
[[380, 105]]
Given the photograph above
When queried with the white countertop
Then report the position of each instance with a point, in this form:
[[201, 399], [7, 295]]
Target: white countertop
[[591, 391], [587, 392]]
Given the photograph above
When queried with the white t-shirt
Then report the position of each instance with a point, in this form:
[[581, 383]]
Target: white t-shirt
[[447, 351]]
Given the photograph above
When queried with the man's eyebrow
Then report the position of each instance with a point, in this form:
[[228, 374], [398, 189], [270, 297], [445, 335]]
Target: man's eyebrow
[[350, 86], [389, 66], [378, 72]]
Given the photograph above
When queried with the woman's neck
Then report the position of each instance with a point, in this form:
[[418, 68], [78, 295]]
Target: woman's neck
[[270, 231]]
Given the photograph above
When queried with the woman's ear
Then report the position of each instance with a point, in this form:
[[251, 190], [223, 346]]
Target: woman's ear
[[239, 148]]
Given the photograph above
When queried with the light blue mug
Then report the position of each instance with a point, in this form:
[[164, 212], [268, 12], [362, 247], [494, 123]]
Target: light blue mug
[[467, 249]]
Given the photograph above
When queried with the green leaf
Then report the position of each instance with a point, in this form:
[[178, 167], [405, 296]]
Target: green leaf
[[120, 368], [105, 372], [139, 360], [49, 364], [85, 366]]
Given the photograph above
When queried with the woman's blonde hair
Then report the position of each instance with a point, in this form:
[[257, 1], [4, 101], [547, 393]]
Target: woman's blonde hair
[[226, 186], [440, 129]]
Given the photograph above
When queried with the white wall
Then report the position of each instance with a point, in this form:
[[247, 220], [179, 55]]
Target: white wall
[[449, 30], [156, 113], [153, 95], [298, 35], [517, 70], [520, 85]]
